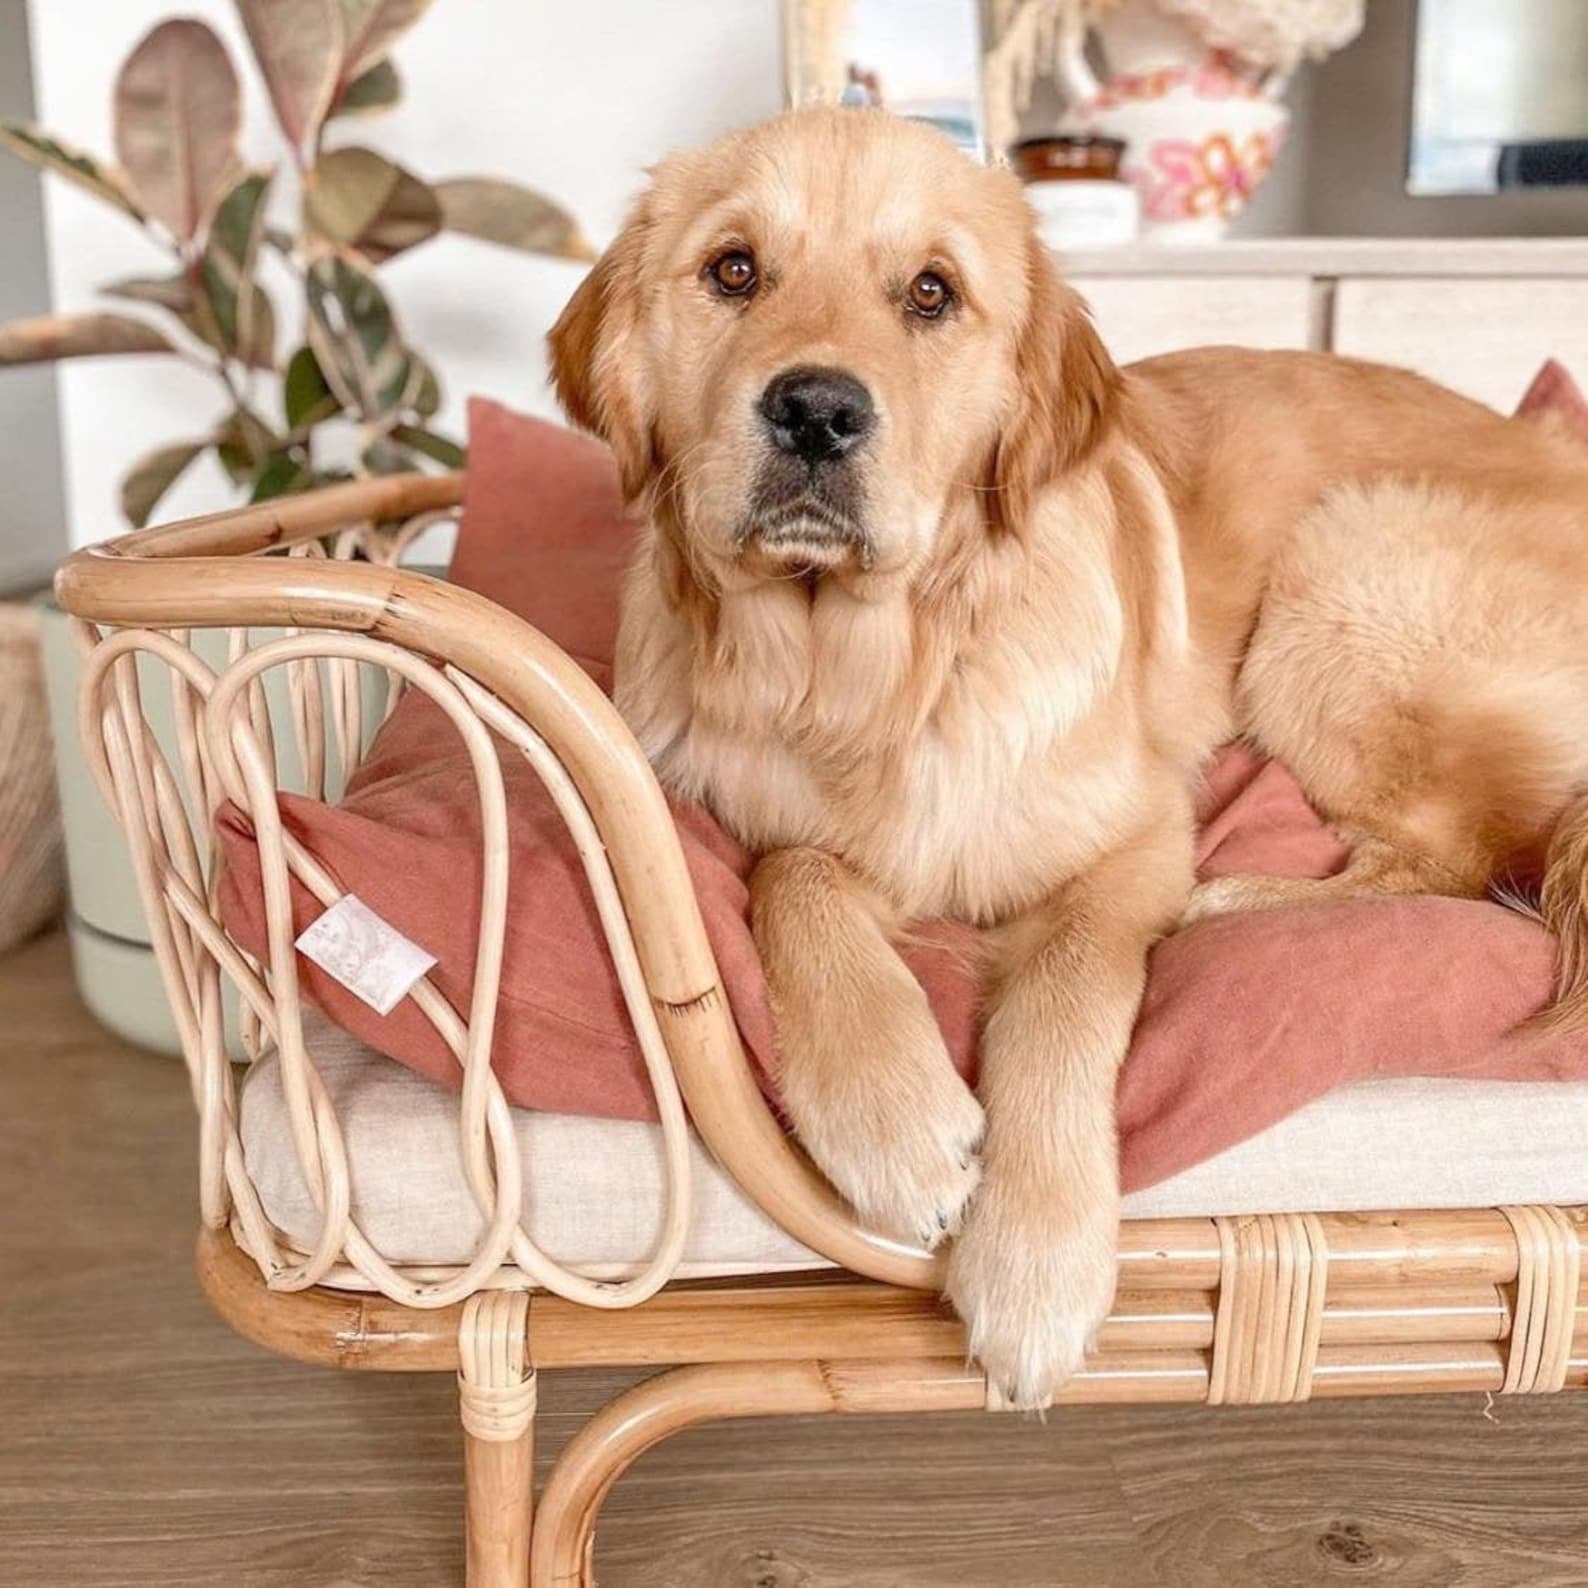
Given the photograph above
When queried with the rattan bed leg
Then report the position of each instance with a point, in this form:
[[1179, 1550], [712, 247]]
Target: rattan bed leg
[[496, 1399], [603, 1450]]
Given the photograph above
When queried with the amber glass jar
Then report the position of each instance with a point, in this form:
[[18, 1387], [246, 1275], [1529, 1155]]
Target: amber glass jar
[[1073, 182], [1068, 159]]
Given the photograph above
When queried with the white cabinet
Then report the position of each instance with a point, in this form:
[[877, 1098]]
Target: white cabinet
[[1479, 315], [1142, 315], [1485, 337]]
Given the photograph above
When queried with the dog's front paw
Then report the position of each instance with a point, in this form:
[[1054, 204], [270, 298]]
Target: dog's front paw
[[1033, 1278], [899, 1140]]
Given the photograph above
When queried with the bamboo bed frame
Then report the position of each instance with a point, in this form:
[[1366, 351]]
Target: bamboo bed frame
[[1260, 1308]]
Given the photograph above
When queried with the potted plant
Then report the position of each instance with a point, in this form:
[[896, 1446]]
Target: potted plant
[[348, 396]]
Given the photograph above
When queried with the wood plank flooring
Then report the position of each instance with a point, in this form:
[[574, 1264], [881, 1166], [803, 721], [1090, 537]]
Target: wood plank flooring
[[141, 1443]]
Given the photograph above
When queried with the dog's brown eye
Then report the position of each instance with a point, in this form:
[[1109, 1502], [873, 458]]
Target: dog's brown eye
[[734, 273], [929, 295]]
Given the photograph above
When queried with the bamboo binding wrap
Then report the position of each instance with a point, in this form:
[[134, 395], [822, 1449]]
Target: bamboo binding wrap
[[496, 1384], [1547, 1273], [1273, 1272], [1272, 1289], [496, 1404]]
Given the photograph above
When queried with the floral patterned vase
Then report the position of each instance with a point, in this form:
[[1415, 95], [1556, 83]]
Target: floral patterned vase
[[1200, 135]]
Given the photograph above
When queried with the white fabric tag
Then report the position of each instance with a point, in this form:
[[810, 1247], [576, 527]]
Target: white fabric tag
[[369, 956]]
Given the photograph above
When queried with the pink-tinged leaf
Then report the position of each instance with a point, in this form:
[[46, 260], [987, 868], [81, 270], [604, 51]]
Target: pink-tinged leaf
[[178, 114], [152, 476], [168, 292], [430, 444], [298, 44], [370, 93], [242, 444], [498, 211], [371, 27], [50, 154], [240, 310], [359, 199], [355, 338], [52, 336]]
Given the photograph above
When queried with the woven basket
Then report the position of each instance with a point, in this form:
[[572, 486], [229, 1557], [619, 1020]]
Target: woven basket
[[31, 877]]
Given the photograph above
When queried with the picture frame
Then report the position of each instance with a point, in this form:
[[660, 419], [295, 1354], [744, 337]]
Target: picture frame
[[921, 59]]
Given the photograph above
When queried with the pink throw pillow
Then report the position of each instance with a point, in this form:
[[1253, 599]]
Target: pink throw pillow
[[1554, 395]]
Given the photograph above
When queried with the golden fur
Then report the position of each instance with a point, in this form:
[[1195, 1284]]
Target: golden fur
[[1074, 582]]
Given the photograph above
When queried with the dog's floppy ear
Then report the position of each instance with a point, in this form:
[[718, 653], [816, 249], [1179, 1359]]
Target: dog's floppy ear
[[594, 363], [1066, 385]]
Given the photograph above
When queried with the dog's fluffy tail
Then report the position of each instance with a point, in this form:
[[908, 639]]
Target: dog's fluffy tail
[[1563, 903]]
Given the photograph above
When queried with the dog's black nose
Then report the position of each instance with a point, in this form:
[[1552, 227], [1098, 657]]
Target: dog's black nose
[[817, 414]]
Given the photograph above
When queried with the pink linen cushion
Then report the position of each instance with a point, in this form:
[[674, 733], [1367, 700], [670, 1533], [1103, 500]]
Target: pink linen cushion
[[1245, 1018]]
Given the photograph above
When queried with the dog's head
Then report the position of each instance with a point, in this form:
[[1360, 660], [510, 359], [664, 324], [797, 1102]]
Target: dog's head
[[813, 336]]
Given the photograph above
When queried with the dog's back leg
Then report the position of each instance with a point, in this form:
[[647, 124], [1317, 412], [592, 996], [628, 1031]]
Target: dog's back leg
[[1421, 665], [1376, 868]]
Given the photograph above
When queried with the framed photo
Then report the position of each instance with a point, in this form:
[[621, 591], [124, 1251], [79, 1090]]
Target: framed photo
[[1499, 97], [917, 58]]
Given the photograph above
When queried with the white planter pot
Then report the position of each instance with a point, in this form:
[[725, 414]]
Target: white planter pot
[[112, 955]]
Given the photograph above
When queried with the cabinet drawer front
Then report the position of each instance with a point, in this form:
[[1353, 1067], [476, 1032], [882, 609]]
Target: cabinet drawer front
[[1485, 337], [1143, 315]]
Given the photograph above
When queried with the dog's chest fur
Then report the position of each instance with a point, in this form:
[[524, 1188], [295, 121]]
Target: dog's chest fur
[[975, 831], [964, 767]]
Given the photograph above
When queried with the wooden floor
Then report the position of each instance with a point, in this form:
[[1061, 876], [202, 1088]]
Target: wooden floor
[[142, 1443]]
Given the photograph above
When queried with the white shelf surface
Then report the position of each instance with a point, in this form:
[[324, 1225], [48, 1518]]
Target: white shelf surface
[[1340, 256]]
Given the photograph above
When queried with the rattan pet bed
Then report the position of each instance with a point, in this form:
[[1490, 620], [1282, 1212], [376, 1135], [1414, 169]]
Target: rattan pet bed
[[1262, 1307]]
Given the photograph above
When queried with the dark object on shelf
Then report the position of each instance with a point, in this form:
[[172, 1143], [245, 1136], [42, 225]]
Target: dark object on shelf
[[1557, 162], [1071, 158]]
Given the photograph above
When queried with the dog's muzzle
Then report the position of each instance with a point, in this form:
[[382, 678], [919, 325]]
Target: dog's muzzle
[[806, 507]]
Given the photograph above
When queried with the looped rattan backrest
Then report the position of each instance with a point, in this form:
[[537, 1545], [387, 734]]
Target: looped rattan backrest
[[235, 735]]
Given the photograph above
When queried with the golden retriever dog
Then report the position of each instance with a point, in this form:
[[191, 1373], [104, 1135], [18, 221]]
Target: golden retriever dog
[[940, 611]]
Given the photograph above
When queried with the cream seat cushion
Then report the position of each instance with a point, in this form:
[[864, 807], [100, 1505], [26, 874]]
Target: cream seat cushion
[[593, 1187]]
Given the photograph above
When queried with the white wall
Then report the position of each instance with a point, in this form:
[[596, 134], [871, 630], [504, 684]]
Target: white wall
[[576, 96], [32, 531], [572, 98]]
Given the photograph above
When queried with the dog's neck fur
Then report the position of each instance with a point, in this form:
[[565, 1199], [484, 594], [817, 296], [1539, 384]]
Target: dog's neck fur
[[844, 675]]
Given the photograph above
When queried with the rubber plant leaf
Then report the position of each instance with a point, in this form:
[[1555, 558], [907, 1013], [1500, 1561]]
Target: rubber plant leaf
[[361, 200], [152, 476], [83, 170], [178, 113], [498, 211], [371, 27], [52, 336], [244, 320], [298, 44]]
